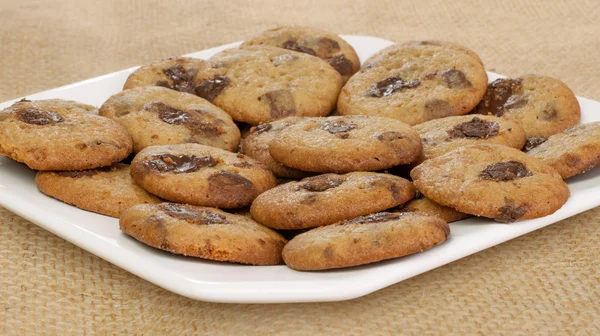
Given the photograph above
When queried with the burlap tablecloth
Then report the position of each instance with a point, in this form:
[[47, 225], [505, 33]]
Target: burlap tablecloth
[[546, 282]]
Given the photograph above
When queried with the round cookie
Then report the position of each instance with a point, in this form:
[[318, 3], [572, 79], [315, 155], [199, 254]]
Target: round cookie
[[447, 44], [425, 205], [323, 44], [542, 105], [173, 73], [201, 175], [255, 144], [492, 181], [159, 116], [206, 233], [346, 144], [329, 198], [572, 152], [261, 84], [414, 84], [365, 240], [108, 191], [60, 134], [443, 135]]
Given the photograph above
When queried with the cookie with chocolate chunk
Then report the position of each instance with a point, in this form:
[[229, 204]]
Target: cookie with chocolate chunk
[[346, 144], [542, 105], [492, 181], [202, 232], [201, 175], [58, 134], [159, 116], [259, 84], [415, 83], [323, 44], [255, 144], [329, 198], [108, 191], [443, 135], [173, 73], [574, 151], [365, 240], [425, 205]]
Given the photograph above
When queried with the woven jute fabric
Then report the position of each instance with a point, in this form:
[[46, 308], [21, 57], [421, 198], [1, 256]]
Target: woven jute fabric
[[544, 283]]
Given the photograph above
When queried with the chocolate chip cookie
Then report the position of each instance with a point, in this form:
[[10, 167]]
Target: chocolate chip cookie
[[258, 84], [323, 44], [346, 144], [329, 198], [443, 135], [206, 233], [425, 205], [492, 181], [255, 144], [174, 73], [159, 116], [414, 84], [542, 105], [572, 152], [61, 134], [365, 240], [108, 191], [201, 175]]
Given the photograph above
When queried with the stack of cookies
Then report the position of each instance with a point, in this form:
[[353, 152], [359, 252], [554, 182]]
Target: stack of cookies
[[283, 150]]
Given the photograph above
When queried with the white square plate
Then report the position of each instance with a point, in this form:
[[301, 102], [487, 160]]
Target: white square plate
[[222, 282]]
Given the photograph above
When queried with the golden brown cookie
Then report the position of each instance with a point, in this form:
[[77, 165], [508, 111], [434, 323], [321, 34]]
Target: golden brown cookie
[[574, 151], [173, 73], [329, 198], [447, 44], [492, 181], [365, 240], [159, 116], [542, 105], [323, 44], [443, 135], [414, 84], [346, 144], [255, 144], [201, 175], [425, 205], [261, 84], [108, 191], [206, 233], [58, 134]]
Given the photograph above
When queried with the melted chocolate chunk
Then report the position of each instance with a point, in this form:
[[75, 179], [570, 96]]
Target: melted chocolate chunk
[[374, 218], [476, 128], [455, 79], [181, 79], [292, 44], [390, 85], [437, 108], [505, 171], [509, 212], [193, 216], [229, 182], [341, 64], [533, 142], [209, 89], [200, 123], [497, 98], [336, 127], [321, 183], [38, 117], [177, 164], [281, 103], [328, 44], [263, 128]]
